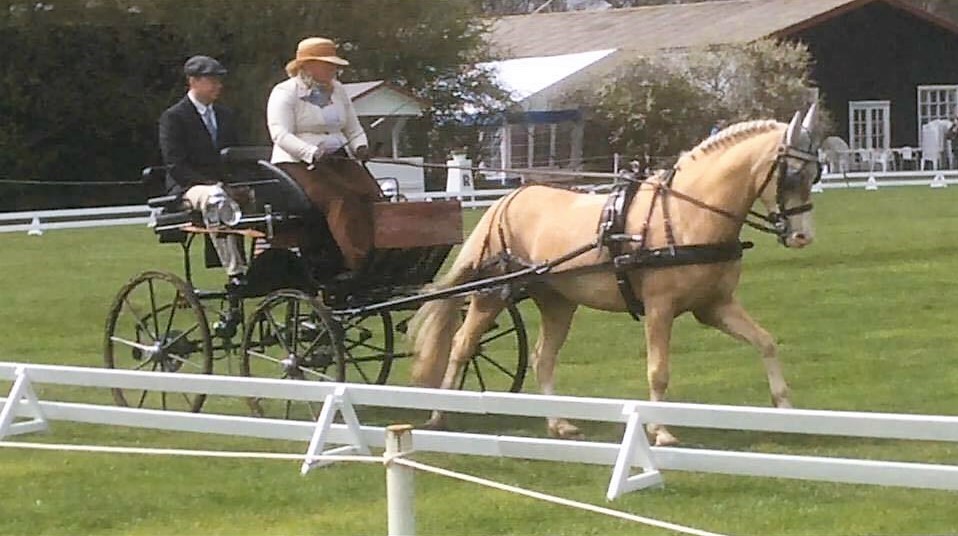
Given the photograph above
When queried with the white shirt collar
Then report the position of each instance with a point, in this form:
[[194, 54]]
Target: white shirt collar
[[200, 107]]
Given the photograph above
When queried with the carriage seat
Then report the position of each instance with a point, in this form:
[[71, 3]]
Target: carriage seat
[[249, 165]]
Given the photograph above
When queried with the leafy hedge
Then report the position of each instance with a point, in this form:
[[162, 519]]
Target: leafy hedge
[[84, 81]]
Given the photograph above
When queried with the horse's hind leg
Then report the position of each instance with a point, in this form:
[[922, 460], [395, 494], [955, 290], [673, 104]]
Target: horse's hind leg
[[482, 312], [658, 335], [556, 312], [732, 319]]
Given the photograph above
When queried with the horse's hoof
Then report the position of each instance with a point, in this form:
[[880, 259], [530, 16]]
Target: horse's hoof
[[665, 439], [566, 431], [783, 404]]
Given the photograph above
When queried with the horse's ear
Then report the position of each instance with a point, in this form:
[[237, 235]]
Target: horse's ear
[[811, 118], [791, 135]]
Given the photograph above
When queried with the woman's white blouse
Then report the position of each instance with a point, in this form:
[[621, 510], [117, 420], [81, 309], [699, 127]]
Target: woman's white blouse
[[300, 129]]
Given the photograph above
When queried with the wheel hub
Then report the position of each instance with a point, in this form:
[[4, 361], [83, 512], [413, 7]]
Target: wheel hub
[[290, 365]]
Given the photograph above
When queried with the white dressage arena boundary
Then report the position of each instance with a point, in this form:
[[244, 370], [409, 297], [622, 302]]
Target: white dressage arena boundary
[[633, 451], [36, 222]]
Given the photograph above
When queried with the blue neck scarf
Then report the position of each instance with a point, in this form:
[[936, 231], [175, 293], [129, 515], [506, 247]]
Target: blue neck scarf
[[319, 96]]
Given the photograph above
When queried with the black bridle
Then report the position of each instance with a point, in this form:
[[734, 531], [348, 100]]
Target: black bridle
[[776, 222]]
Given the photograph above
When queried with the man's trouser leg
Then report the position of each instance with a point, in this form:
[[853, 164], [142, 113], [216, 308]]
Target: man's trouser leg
[[228, 246]]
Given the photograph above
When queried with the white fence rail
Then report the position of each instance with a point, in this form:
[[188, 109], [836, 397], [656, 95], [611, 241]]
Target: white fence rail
[[633, 451], [878, 179], [38, 221]]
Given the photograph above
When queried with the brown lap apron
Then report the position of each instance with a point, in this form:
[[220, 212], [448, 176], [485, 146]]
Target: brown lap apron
[[345, 192]]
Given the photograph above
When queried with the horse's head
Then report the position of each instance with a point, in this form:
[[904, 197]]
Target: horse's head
[[787, 189]]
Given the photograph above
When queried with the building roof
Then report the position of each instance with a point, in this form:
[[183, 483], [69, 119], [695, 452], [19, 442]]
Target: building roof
[[378, 97], [672, 26], [523, 77]]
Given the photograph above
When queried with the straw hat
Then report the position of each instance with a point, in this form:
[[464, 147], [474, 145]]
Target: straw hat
[[314, 49]]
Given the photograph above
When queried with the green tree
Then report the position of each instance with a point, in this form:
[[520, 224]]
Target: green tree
[[85, 80], [666, 104]]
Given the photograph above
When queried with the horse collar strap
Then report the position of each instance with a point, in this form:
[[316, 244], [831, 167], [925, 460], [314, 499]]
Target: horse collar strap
[[612, 235], [611, 227]]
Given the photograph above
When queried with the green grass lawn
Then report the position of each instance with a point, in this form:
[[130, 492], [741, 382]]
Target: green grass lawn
[[864, 318]]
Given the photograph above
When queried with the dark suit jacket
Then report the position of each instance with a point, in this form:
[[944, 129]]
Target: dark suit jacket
[[188, 151]]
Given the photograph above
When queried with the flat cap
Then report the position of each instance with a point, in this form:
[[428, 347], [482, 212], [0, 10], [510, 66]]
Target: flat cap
[[203, 66]]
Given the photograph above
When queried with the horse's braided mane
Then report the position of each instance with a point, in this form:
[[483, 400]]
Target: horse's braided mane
[[732, 135]]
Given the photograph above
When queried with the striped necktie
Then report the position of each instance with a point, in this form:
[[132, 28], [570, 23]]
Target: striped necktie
[[210, 123]]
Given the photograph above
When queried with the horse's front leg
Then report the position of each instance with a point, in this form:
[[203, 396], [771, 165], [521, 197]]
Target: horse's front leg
[[732, 319], [658, 334], [481, 314], [556, 313]]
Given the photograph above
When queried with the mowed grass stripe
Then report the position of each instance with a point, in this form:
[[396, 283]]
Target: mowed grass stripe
[[863, 317]]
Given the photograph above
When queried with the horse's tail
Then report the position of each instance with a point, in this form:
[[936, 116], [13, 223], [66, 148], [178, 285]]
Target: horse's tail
[[435, 323]]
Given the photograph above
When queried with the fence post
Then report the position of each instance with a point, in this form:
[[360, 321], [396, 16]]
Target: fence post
[[400, 483]]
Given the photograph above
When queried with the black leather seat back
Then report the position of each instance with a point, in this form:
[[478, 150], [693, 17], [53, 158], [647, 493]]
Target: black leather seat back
[[279, 191]]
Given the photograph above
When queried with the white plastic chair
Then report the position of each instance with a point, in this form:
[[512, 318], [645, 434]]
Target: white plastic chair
[[933, 142], [880, 157], [907, 157]]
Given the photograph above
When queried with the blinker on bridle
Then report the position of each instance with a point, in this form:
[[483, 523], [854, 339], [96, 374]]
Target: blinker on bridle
[[776, 222]]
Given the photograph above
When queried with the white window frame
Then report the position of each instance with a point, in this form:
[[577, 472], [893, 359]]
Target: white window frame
[[921, 96], [883, 105]]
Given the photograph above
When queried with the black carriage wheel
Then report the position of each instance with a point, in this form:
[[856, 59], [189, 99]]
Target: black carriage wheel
[[491, 367], [291, 335], [369, 346], [156, 323], [227, 326]]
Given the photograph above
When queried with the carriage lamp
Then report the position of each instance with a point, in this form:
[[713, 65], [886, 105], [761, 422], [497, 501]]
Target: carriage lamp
[[220, 209], [389, 187]]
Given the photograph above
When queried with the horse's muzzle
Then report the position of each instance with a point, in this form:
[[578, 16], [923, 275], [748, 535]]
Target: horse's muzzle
[[798, 240]]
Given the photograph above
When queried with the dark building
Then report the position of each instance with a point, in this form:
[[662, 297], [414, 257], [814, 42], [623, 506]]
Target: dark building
[[883, 67], [882, 64]]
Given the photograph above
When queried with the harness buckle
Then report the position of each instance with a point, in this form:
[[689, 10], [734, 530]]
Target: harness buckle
[[623, 261]]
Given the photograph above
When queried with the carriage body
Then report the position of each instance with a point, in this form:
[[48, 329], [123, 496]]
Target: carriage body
[[298, 315]]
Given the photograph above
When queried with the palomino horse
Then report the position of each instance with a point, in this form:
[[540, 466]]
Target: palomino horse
[[705, 201]]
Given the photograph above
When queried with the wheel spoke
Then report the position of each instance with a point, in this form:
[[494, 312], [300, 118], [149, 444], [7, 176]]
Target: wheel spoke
[[184, 361], [156, 320], [294, 335], [494, 363], [264, 356], [312, 346], [482, 383], [465, 373], [136, 317], [131, 344], [317, 373], [143, 397], [280, 362], [181, 335], [360, 371], [352, 345], [143, 364], [497, 336], [169, 321], [272, 321]]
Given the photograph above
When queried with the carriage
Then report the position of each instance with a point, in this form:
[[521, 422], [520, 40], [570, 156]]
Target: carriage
[[297, 315], [664, 247]]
